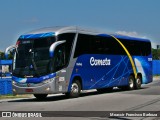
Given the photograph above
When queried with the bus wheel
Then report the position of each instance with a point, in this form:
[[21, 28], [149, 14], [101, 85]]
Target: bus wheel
[[75, 89], [138, 82], [131, 82], [40, 96]]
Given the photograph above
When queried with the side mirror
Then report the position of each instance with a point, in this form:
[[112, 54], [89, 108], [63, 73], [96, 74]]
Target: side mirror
[[12, 47], [53, 46]]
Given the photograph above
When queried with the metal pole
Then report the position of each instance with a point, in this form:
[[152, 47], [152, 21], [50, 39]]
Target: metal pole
[[0, 66], [157, 51]]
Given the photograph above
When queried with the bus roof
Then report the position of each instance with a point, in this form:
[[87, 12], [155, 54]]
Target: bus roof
[[47, 32], [51, 31], [55, 29]]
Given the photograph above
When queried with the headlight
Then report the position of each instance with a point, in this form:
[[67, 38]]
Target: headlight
[[13, 82], [48, 80]]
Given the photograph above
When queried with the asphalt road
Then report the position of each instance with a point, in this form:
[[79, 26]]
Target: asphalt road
[[145, 99]]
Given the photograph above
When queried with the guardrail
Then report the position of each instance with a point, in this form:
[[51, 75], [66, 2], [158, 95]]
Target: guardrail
[[156, 67], [5, 86]]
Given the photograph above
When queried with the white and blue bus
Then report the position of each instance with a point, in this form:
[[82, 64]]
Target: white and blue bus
[[70, 59]]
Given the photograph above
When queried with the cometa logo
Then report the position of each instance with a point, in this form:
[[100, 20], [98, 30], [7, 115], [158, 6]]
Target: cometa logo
[[99, 62]]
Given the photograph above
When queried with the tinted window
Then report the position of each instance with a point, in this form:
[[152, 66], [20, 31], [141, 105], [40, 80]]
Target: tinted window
[[139, 48], [82, 45], [92, 44], [69, 37], [148, 47], [59, 57], [43, 42], [113, 47]]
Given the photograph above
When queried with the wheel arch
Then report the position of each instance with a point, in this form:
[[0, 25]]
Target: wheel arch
[[76, 77], [79, 79], [140, 74]]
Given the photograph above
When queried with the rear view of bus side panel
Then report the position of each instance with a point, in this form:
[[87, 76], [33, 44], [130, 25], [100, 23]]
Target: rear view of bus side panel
[[113, 71]]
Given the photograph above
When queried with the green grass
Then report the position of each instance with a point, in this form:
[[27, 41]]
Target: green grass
[[10, 96], [156, 76]]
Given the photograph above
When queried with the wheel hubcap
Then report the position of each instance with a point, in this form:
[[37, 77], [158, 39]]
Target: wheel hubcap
[[74, 88], [138, 81], [131, 84]]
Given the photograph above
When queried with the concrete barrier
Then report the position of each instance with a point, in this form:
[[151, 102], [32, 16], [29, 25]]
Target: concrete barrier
[[5, 86], [156, 67]]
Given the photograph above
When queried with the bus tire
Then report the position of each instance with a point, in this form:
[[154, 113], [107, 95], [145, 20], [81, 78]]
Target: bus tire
[[75, 89], [131, 82], [40, 96], [138, 82]]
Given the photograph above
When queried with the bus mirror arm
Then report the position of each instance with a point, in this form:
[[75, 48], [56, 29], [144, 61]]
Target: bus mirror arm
[[53, 47], [8, 49]]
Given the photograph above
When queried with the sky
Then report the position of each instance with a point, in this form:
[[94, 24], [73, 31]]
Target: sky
[[139, 18]]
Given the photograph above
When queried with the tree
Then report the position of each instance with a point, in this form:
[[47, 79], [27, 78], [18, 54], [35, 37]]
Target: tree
[[156, 54], [2, 56]]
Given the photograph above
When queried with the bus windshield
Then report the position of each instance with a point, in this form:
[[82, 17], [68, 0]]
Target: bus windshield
[[32, 57]]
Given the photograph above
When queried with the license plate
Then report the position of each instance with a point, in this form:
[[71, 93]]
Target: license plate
[[29, 90]]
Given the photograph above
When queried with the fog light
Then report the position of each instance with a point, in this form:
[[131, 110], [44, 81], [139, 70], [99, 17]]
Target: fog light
[[14, 90], [13, 82]]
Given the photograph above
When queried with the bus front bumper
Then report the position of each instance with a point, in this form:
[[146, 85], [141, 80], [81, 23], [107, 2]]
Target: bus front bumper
[[48, 87]]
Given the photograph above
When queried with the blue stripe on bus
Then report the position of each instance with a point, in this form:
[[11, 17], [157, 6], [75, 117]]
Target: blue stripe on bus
[[33, 80], [41, 35]]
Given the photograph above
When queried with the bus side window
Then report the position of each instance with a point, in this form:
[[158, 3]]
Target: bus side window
[[60, 57], [69, 37]]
